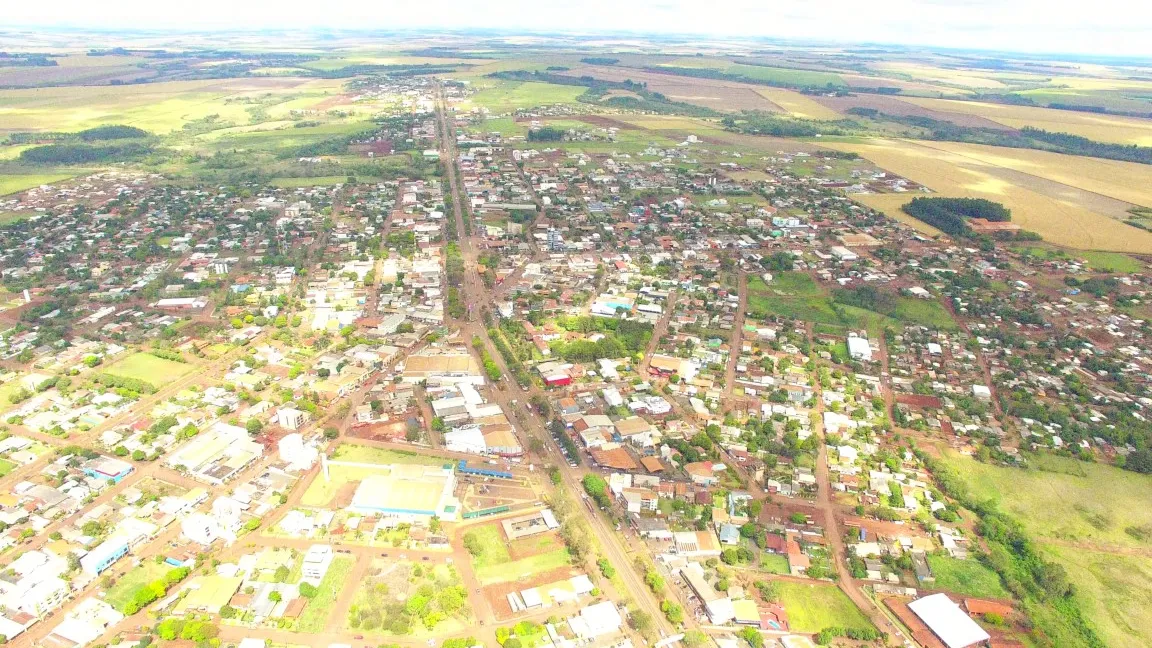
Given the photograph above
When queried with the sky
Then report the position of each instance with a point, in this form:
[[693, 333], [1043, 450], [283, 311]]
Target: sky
[[1098, 27]]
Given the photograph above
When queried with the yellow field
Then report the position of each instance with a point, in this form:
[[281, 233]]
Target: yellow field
[[658, 122], [1102, 128], [798, 105], [1058, 219], [890, 204], [1127, 181], [967, 78]]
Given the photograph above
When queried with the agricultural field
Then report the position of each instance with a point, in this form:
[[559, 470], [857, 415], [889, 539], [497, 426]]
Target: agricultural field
[[155, 371], [1075, 219], [798, 105], [507, 96], [966, 577], [1102, 128], [811, 608]]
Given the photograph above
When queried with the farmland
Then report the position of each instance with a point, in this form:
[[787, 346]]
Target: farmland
[[1102, 128], [1077, 221], [149, 368], [10, 184], [506, 96]]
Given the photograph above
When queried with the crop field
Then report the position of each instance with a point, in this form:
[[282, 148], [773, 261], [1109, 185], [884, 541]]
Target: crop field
[[761, 72], [147, 367], [1102, 128], [156, 107], [978, 79], [1128, 182], [966, 577], [507, 96], [717, 94], [811, 608], [1035, 202], [10, 184], [798, 105], [77, 69]]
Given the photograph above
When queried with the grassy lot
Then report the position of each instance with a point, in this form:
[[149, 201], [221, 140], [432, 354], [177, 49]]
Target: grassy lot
[[6, 390], [493, 546], [507, 96], [321, 181], [774, 563], [122, 592], [811, 608], [926, 312], [523, 568], [6, 467], [315, 615], [10, 184], [354, 453], [147, 367], [966, 577]]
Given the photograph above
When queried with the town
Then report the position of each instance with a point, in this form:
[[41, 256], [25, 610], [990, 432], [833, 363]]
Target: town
[[564, 375]]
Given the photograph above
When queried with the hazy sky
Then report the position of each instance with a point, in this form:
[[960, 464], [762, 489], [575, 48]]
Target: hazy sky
[[1109, 27]]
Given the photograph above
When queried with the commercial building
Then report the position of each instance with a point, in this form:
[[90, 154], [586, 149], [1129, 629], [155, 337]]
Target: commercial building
[[103, 556], [290, 419], [948, 622], [316, 562], [858, 348]]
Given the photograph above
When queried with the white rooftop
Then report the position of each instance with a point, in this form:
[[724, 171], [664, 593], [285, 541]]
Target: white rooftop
[[948, 621]]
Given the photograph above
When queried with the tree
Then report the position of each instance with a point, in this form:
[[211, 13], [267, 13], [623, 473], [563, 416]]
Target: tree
[[331, 433], [282, 574], [752, 636], [672, 611], [275, 597], [254, 426], [642, 622]]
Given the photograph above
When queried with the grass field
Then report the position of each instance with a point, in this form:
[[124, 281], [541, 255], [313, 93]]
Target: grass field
[[493, 546], [1099, 261], [6, 467], [811, 608], [147, 367], [507, 96], [1080, 221], [524, 568], [774, 563], [966, 577], [1065, 499], [10, 184], [321, 181], [760, 72], [122, 592], [321, 491], [315, 615], [1113, 592], [356, 453], [926, 312]]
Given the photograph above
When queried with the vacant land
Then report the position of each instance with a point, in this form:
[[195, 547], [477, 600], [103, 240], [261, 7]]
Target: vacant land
[[122, 592], [148, 368], [966, 577], [355, 453], [1113, 591], [1102, 128], [495, 560], [315, 615], [811, 608], [1036, 207]]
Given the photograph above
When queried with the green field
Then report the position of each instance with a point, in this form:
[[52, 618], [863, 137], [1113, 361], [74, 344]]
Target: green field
[[494, 563], [1113, 591], [355, 453], [926, 312], [1096, 260], [147, 367], [122, 592], [6, 467], [321, 491], [493, 546], [1086, 517], [315, 615], [321, 181], [774, 563], [811, 608], [966, 577], [507, 96], [10, 184]]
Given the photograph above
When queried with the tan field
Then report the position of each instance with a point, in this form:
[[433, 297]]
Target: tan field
[[948, 76], [1126, 181], [1061, 214], [797, 104], [1102, 128], [890, 205]]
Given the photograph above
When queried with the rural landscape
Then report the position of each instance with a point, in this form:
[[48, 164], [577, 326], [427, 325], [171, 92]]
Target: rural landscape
[[539, 340]]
